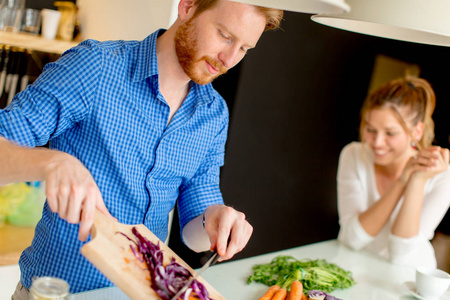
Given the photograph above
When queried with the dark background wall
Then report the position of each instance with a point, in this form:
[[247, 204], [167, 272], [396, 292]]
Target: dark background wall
[[294, 103]]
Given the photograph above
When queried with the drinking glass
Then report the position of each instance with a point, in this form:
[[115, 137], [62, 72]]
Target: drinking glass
[[11, 14], [31, 21]]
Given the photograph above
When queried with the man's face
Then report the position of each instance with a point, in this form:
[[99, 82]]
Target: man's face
[[217, 39]]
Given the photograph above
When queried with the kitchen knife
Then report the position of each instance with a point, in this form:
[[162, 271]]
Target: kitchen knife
[[211, 261]]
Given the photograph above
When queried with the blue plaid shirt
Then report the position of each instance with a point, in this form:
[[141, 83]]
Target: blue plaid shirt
[[101, 103]]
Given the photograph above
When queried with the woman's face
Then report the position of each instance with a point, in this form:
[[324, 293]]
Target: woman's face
[[386, 137]]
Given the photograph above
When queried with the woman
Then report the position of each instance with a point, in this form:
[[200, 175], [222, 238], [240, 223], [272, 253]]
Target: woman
[[394, 187]]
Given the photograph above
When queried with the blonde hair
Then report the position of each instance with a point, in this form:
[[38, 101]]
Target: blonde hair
[[273, 16], [415, 95]]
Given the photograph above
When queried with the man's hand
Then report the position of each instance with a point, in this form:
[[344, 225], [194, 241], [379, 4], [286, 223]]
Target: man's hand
[[73, 194], [223, 223]]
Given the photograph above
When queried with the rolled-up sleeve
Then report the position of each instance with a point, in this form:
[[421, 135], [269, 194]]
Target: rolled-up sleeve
[[203, 189], [353, 234], [58, 99], [417, 250], [414, 252]]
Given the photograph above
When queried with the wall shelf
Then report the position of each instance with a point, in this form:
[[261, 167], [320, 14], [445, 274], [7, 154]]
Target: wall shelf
[[35, 43]]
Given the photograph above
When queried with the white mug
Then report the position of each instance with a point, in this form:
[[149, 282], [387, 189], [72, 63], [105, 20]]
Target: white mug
[[50, 23], [432, 283]]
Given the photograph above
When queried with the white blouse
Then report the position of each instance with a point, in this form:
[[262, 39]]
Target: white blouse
[[357, 191]]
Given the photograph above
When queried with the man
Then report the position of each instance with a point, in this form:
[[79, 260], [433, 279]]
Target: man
[[133, 128]]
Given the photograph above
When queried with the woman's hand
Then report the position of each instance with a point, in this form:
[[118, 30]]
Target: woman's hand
[[430, 162], [223, 224], [72, 193], [411, 166], [426, 164]]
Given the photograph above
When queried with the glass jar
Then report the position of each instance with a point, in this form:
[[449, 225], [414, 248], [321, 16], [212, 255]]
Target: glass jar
[[49, 288]]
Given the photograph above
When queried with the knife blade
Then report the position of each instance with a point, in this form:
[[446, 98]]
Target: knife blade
[[211, 261]]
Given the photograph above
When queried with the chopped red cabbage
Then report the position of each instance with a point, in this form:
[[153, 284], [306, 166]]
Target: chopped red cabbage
[[168, 280], [317, 294]]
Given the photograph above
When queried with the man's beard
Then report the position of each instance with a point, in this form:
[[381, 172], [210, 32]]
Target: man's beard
[[187, 52]]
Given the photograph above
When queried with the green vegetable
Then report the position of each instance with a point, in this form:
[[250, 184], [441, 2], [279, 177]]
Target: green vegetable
[[314, 274]]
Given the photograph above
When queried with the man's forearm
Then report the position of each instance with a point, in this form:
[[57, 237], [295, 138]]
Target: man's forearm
[[23, 164]]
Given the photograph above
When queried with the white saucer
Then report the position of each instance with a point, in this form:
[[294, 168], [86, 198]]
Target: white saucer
[[410, 287]]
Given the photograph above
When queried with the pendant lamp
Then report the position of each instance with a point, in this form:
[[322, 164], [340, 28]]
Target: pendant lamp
[[419, 21], [304, 6]]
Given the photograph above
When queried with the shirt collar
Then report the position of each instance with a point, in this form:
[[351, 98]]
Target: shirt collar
[[147, 66], [147, 63]]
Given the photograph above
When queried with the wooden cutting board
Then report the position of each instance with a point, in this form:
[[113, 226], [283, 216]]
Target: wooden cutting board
[[110, 252]]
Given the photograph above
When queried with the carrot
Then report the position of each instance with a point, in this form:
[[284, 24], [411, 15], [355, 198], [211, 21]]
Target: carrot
[[192, 296], [280, 295], [304, 297], [296, 290], [270, 292]]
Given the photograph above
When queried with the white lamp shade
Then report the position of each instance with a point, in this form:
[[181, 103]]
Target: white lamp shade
[[304, 6], [420, 21]]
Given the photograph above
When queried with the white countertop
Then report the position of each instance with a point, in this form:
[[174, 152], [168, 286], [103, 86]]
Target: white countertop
[[376, 278], [9, 277]]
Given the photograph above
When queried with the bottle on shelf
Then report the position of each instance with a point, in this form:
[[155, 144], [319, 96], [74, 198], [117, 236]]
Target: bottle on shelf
[[3, 74], [18, 71], [14, 74], [15, 68]]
